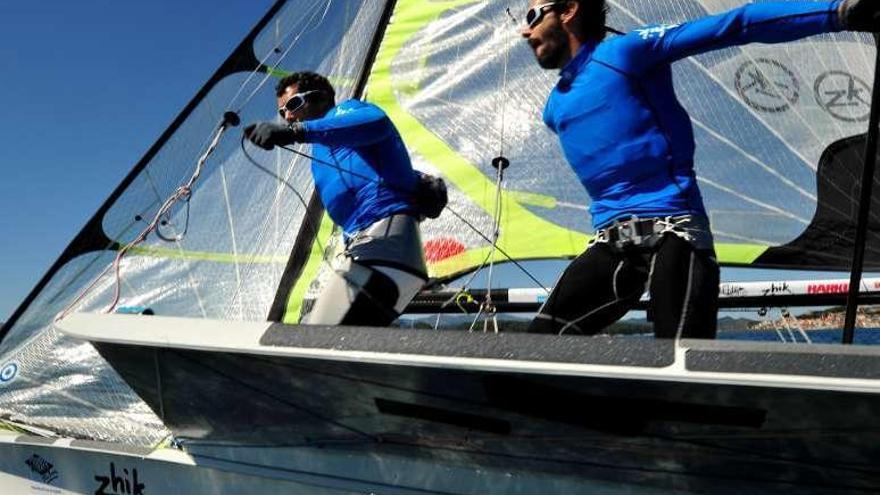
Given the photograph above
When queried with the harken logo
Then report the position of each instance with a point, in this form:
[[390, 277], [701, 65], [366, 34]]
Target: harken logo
[[119, 482], [766, 85], [8, 372], [843, 95], [42, 468]]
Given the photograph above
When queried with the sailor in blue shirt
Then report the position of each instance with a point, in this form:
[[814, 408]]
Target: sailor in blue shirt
[[631, 144], [365, 180]]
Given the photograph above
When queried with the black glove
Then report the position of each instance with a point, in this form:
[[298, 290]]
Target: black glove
[[860, 15], [267, 135]]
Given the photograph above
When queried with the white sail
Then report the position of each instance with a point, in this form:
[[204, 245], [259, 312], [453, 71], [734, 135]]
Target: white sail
[[219, 252]]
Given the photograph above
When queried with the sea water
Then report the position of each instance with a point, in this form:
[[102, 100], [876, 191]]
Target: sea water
[[863, 336]]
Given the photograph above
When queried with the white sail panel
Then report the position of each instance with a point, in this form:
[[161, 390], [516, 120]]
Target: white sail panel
[[464, 88], [226, 242]]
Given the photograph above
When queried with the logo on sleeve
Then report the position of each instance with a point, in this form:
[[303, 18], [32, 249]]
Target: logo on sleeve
[[656, 31]]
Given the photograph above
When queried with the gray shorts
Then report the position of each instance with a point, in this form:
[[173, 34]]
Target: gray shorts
[[373, 280]]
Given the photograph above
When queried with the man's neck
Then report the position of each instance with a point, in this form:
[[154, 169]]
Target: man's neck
[[574, 46]]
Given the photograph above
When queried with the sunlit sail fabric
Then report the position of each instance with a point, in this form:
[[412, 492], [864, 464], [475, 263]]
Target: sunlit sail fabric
[[463, 87], [224, 250]]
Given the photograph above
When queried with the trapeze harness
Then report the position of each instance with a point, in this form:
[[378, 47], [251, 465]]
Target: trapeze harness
[[371, 282], [631, 144]]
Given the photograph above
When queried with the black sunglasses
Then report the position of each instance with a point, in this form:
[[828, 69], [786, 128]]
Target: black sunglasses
[[536, 14], [295, 102]]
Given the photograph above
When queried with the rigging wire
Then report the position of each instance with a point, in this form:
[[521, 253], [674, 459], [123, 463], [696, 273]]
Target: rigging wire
[[465, 221], [499, 163], [286, 184], [309, 26], [314, 229], [182, 193]]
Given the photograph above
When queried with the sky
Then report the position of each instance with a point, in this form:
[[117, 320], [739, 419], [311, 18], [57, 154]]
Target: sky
[[85, 89]]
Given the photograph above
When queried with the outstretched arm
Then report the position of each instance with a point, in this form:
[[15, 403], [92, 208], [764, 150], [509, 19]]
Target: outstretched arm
[[771, 22], [353, 125]]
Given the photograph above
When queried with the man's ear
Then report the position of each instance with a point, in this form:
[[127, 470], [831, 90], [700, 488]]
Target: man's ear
[[568, 15], [325, 105]]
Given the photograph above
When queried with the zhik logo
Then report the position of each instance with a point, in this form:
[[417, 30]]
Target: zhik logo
[[124, 484]]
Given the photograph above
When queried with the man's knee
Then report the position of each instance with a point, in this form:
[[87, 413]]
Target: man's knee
[[375, 301]]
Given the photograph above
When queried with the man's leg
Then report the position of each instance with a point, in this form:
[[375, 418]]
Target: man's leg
[[684, 290], [596, 290], [355, 294]]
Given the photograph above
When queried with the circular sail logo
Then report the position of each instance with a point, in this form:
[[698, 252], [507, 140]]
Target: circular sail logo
[[8, 373], [766, 85], [843, 95]]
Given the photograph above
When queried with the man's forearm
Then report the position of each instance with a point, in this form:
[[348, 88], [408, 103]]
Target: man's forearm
[[774, 22], [356, 128]]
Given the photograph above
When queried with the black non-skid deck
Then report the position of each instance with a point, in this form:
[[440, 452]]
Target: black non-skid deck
[[604, 350], [825, 360]]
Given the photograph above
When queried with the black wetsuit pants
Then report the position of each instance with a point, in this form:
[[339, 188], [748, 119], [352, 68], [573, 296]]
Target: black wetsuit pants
[[604, 283]]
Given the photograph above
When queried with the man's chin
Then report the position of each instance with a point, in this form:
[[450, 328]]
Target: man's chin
[[549, 60]]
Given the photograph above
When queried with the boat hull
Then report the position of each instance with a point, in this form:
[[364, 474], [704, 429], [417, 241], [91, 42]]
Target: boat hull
[[638, 415]]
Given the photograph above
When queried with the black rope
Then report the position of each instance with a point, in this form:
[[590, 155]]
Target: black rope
[[455, 213], [167, 221], [376, 301], [286, 184]]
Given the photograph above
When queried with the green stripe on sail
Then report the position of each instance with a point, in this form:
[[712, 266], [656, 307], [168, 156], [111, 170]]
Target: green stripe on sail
[[316, 257], [733, 253], [533, 199], [181, 254], [523, 234], [279, 73], [745, 254]]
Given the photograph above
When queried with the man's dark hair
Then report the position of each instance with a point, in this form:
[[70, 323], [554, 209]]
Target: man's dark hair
[[307, 81], [591, 16]]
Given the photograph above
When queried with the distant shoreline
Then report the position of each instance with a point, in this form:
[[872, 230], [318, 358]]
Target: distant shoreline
[[831, 320]]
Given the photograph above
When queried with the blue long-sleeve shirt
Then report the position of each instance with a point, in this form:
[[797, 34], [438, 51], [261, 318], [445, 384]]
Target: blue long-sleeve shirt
[[620, 124], [358, 137]]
